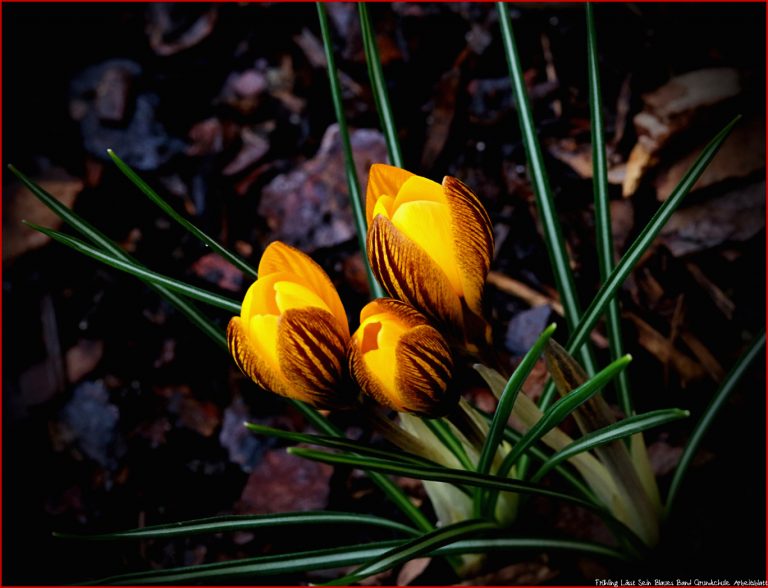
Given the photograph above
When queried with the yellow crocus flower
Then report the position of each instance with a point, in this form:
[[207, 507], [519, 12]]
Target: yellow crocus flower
[[400, 360], [292, 332], [430, 245]]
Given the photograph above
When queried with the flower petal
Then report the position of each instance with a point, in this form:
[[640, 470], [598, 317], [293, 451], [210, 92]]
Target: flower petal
[[428, 224], [383, 180], [408, 273], [473, 232], [249, 361], [312, 352], [279, 257], [424, 368]]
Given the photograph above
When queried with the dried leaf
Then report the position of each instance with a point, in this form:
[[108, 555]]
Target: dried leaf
[[285, 483], [736, 216], [742, 154]]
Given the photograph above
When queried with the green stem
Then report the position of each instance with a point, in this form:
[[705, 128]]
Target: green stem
[[728, 385], [379, 85], [553, 236], [603, 234], [349, 162]]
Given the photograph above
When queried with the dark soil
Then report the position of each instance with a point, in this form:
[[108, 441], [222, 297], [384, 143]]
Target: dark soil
[[119, 413]]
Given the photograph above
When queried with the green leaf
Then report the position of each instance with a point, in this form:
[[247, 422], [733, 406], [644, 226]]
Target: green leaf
[[624, 267], [555, 415], [393, 492], [235, 260], [713, 408], [415, 548], [101, 240], [286, 563], [338, 443], [355, 196], [620, 430], [379, 86], [573, 480], [603, 234], [231, 523], [144, 275], [441, 430], [504, 408], [553, 236], [345, 556], [454, 476]]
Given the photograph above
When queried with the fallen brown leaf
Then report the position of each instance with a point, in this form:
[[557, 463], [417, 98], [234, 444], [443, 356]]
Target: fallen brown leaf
[[660, 346], [736, 216]]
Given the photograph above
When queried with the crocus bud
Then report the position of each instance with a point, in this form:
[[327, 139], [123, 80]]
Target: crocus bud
[[292, 332], [430, 245], [400, 360]]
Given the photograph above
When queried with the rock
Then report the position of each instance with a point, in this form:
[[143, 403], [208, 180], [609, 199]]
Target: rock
[[525, 327], [89, 421], [111, 117], [309, 206]]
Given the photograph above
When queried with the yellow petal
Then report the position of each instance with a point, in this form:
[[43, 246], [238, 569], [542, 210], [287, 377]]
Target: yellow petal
[[417, 188], [428, 224], [312, 351], [262, 336], [373, 370], [408, 273], [250, 362], [260, 298], [383, 180], [384, 206], [472, 231], [282, 258], [292, 295]]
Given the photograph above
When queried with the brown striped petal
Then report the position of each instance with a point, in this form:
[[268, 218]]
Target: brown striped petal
[[382, 180], [473, 236], [282, 258], [417, 379], [249, 362], [408, 273], [424, 368], [311, 352]]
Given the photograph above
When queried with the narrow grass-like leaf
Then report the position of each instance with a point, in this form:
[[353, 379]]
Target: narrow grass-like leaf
[[436, 474], [725, 389], [286, 563], [415, 548], [345, 556], [504, 408], [101, 240], [603, 234], [144, 275], [468, 478], [231, 523], [338, 443], [442, 431], [379, 86], [644, 240], [572, 479], [620, 430], [393, 492], [355, 196], [232, 258], [553, 236], [554, 416]]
